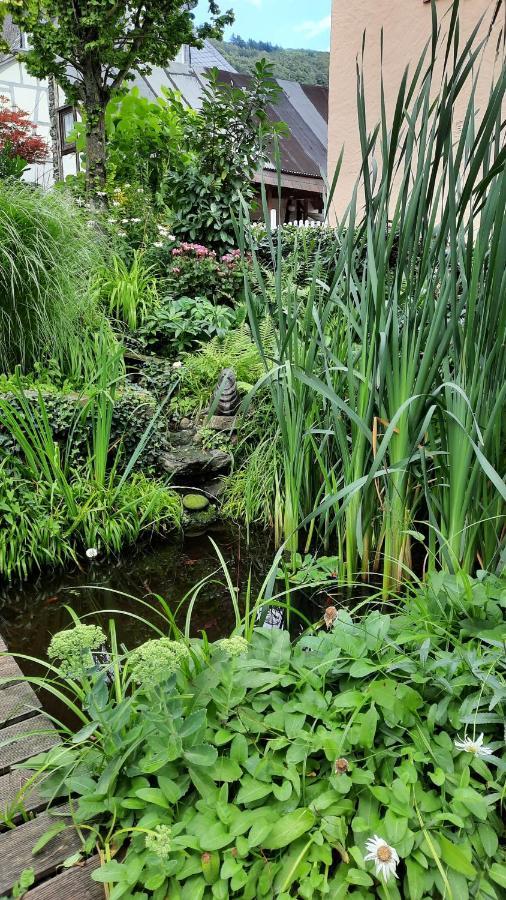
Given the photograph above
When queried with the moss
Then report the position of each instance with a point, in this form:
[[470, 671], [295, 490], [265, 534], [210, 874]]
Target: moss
[[200, 520], [195, 502]]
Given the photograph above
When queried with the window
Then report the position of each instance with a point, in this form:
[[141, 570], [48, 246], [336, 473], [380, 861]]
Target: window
[[67, 118]]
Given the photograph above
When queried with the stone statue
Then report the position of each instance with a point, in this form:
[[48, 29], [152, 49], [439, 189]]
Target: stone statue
[[226, 399]]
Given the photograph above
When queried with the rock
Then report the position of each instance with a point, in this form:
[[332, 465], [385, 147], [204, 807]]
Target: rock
[[215, 488], [185, 423], [195, 463], [197, 438], [195, 502], [222, 423], [226, 399]]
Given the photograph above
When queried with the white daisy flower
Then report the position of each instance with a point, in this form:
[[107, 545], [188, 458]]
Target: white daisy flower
[[385, 858], [92, 553], [476, 747]]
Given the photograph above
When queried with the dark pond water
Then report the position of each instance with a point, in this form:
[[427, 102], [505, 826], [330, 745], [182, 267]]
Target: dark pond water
[[32, 612]]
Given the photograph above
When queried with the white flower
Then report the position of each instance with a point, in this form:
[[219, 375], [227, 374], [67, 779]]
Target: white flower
[[177, 365], [136, 220], [385, 857], [158, 244], [101, 194], [92, 553], [476, 747], [121, 233]]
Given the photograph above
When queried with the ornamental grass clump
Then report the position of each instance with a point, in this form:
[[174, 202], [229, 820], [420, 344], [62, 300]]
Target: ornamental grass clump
[[73, 648], [48, 257], [155, 661]]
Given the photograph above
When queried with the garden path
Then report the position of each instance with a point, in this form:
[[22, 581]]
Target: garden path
[[25, 731]]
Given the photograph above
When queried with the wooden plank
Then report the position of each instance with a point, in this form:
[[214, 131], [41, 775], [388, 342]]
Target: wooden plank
[[26, 739], [73, 884], [13, 806], [17, 702], [8, 668], [16, 849]]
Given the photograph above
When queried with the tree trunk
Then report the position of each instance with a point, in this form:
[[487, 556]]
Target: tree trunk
[[95, 151], [95, 102]]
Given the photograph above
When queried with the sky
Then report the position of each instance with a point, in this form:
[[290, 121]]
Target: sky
[[289, 23]]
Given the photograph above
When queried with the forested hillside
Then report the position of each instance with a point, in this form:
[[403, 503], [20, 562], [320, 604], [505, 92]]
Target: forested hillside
[[306, 66]]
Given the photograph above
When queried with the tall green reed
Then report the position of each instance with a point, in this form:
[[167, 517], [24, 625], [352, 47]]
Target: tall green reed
[[388, 381]]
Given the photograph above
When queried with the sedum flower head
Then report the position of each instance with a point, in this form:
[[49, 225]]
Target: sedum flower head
[[385, 858], [155, 661], [234, 646], [159, 841], [73, 647], [476, 747]]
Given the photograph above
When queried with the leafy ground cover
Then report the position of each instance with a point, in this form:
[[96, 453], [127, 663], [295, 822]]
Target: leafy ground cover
[[265, 767]]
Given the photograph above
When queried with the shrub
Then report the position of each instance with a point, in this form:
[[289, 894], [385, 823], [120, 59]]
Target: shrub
[[179, 325], [48, 257], [20, 145], [271, 769], [192, 270]]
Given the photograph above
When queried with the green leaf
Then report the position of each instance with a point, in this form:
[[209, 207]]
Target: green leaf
[[48, 835], [112, 872], [252, 790], [489, 839], [259, 832], [225, 769], [192, 724], [361, 668], [239, 749], [288, 828], [367, 727], [357, 876], [153, 795], [497, 873], [201, 755], [84, 733], [170, 788], [454, 857], [473, 801]]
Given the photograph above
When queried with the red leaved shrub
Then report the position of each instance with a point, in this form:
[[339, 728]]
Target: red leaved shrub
[[18, 136]]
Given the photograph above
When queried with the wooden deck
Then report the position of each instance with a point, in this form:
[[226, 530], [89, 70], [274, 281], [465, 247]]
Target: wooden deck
[[22, 824]]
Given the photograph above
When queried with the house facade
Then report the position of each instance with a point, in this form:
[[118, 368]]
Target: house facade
[[406, 28]]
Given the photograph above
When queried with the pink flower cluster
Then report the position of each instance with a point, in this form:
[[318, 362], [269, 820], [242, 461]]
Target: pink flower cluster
[[231, 257], [197, 249]]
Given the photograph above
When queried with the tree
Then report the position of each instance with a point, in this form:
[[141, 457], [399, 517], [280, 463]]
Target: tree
[[20, 145], [92, 46], [226, 144]]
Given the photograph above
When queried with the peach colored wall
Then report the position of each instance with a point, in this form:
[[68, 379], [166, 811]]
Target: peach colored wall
[[407, 27]]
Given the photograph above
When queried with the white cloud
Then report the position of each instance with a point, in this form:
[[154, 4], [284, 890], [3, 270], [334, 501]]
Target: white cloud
[[256, 3], [314, 27]]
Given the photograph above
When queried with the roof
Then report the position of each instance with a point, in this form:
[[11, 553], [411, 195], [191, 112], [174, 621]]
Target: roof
[[206, 57], [304, 109], [12, 35]]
